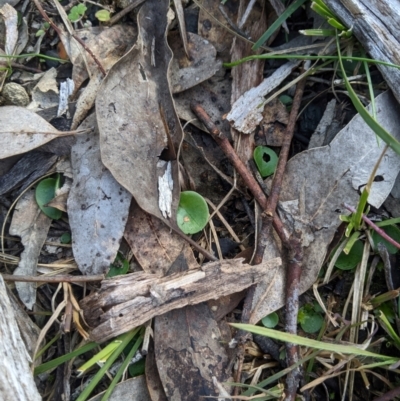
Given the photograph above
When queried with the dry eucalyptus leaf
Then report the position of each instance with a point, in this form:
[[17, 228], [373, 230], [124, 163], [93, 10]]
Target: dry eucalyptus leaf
[[189, 353], [16, 382], [32, 226], [97, 206], [10, 18], [138, 126], [22, 130], [109, 45], [316, 184], [184, 73], [45, 92], [156, 249]]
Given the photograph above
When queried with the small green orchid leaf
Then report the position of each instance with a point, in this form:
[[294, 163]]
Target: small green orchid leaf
[[45, 192], [318, 32], [65, 238], [192, 215], [350, 261], [393, 232], [266, 160], [271, 320], [103, 15], [312, 323]]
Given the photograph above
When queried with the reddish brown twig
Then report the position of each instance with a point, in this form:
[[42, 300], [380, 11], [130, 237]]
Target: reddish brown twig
[[54, 279], [374, 226], [125, 11], [390, 395], [59, 33]]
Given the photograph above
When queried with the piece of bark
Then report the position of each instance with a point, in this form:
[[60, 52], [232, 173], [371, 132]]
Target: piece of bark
[[16, 380], [126, 302], [375, 25]]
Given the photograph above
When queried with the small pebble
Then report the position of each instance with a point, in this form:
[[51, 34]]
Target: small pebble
[[14, 94]]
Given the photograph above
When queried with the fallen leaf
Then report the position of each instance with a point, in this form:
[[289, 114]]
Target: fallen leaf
[[156, 249], [10, 18], [184, 73], [97, 206], [134, 134], [311, 202], [23, 130], [32, 226], [189, 353]]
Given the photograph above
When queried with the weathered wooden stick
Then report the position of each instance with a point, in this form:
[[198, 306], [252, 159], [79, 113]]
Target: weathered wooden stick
[[125, 302]]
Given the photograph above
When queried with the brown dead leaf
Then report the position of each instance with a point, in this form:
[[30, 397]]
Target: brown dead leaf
[[156, 249], [137, 120], [189, 353], [97, 206]]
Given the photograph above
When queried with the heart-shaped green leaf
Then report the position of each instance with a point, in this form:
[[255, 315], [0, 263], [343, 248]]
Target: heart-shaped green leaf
[[391, 231], [45, 192], [350, 261], [266, 160], [270, 320], [192, 215]]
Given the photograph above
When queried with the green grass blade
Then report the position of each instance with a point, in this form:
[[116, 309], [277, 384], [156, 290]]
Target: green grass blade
[[65, 358], [318, 32], [123, 366], [308, 342], [267, 56], [320, 8], [99, 375], [286, 14], [370, 121], [362, 203], [388, 222]]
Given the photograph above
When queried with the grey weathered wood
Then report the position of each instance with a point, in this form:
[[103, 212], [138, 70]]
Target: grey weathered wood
[[376, 24], [125, 302], [16, 380]]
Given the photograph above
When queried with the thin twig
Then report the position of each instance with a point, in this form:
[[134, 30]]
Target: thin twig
[[374, 226], [53, 279], [60, 34], [244, 172], [125, 11]]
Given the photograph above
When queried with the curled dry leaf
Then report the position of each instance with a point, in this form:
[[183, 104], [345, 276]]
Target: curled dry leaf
[[97, 206], [32, 226], [22, 130], [136, 116], [311, 202]]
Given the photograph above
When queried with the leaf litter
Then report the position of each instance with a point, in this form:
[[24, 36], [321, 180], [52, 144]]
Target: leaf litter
[[129, 149]]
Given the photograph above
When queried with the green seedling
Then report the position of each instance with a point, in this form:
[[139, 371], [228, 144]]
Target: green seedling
[[103, 15], [45, 192], [393, 232], [271, 320], [45, 26], [77, 12], [310, 319], [192, 214], [266, 160]]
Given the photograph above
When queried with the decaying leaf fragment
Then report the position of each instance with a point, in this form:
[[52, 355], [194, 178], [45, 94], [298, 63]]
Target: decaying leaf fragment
[[136, 117], [128, 301], [189, 353], [97, 206], [316, 184], [32, 226]]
